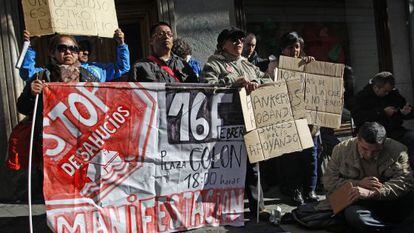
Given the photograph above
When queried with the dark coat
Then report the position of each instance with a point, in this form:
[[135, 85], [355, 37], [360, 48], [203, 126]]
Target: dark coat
[[146, 70], [258, 61], [367, 106]]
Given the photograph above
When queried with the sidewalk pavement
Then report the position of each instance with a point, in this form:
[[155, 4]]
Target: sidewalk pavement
[[14, 219]]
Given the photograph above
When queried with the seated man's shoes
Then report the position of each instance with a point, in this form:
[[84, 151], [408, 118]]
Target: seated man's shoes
[[311, 197], [297, 197]]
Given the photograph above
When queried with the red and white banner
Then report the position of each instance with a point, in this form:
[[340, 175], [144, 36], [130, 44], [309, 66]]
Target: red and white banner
[[142, 157]]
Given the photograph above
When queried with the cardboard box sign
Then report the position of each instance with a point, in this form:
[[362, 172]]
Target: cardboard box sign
[[323, 89], [89, 18], [272, 123], [278, 139]]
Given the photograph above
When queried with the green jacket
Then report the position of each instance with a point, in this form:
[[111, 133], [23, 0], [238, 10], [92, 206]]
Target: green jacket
[[224, 69], [396, 174]]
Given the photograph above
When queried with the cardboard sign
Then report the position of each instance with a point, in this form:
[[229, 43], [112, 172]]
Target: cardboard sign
[[340, 198], [89, 18], [142, 157], [272, 126], [323, 89]]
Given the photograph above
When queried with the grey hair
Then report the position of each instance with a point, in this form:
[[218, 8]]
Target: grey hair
[[372, 133]]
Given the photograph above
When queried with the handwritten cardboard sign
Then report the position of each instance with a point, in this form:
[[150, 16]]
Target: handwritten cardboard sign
[[322, 87], [90, 18], [273, 127]]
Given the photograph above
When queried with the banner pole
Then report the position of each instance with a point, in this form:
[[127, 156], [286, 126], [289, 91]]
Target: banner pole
[[25, 47], [258, 192], [29, 189]]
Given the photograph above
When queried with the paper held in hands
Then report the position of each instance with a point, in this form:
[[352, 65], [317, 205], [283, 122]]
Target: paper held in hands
[[340, 199]]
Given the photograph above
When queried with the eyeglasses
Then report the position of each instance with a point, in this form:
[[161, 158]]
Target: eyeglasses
[[162, 34], [63, 48]]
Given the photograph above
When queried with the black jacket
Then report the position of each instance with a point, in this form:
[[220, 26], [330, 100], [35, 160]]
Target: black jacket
[[367, 106], [258, 61], [146, 70]]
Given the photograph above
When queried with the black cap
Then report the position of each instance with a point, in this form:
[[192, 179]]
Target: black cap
[[232, 33]]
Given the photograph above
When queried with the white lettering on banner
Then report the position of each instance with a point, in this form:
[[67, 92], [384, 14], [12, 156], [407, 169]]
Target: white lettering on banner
[[192, 120], [93, 115], [60, 143], [77, 226], [95, 142], [182, 211]]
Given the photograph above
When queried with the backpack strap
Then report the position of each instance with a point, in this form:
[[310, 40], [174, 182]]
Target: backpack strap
[[164, 67], [87, 76]]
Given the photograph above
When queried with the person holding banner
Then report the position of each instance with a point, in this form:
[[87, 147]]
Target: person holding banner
[[227, 67], [299, 169], [104, 71], [64, 67], [162, 65]]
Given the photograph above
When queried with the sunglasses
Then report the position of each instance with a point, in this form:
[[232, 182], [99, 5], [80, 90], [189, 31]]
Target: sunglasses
[[63, 48], [236, 39]]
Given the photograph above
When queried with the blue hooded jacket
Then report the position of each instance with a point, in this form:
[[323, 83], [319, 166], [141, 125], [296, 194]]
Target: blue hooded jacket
[[104, 71]]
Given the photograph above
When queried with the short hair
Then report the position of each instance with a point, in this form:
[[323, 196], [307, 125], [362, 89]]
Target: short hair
[[181, 48], [251, 35], [155, 26], [290, 38], [383, 78], [85, 45], [372, 133], [54, 41]]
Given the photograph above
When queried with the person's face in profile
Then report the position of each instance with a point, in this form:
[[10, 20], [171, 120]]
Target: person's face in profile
[[66, 51], [292, 50], [234, 46]]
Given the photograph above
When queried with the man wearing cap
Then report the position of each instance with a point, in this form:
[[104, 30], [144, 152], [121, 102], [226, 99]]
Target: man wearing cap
[[162, 65], [379, 101], [227, 67]]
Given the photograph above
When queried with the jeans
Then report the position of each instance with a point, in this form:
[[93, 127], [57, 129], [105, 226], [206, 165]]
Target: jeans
[[379, 216]]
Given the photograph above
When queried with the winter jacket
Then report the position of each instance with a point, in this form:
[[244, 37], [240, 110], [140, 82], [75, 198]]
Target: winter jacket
[[258, 61], [367, 106], [104, 71], [146, 70], [345, 166], [224, 69]]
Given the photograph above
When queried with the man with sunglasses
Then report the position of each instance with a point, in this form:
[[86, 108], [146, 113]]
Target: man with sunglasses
[[249, 52], [227, 67], [162, 65], [104, 71]]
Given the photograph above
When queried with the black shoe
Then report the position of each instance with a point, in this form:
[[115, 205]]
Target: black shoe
[[297, 197], [312, 197]]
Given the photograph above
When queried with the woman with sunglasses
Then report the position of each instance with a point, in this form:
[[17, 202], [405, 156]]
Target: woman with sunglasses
[[103, 71], [64, 67]]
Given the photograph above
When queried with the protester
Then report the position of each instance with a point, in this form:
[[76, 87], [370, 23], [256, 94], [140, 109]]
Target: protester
[[162, 65], [382, 180], [250, 53], [291, 45], [183, 50], [299, 169], [228, 68], [379, 101], [85, 50], [104, 71]]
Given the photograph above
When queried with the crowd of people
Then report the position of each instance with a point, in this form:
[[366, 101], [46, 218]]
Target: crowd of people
[[377, 161]]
